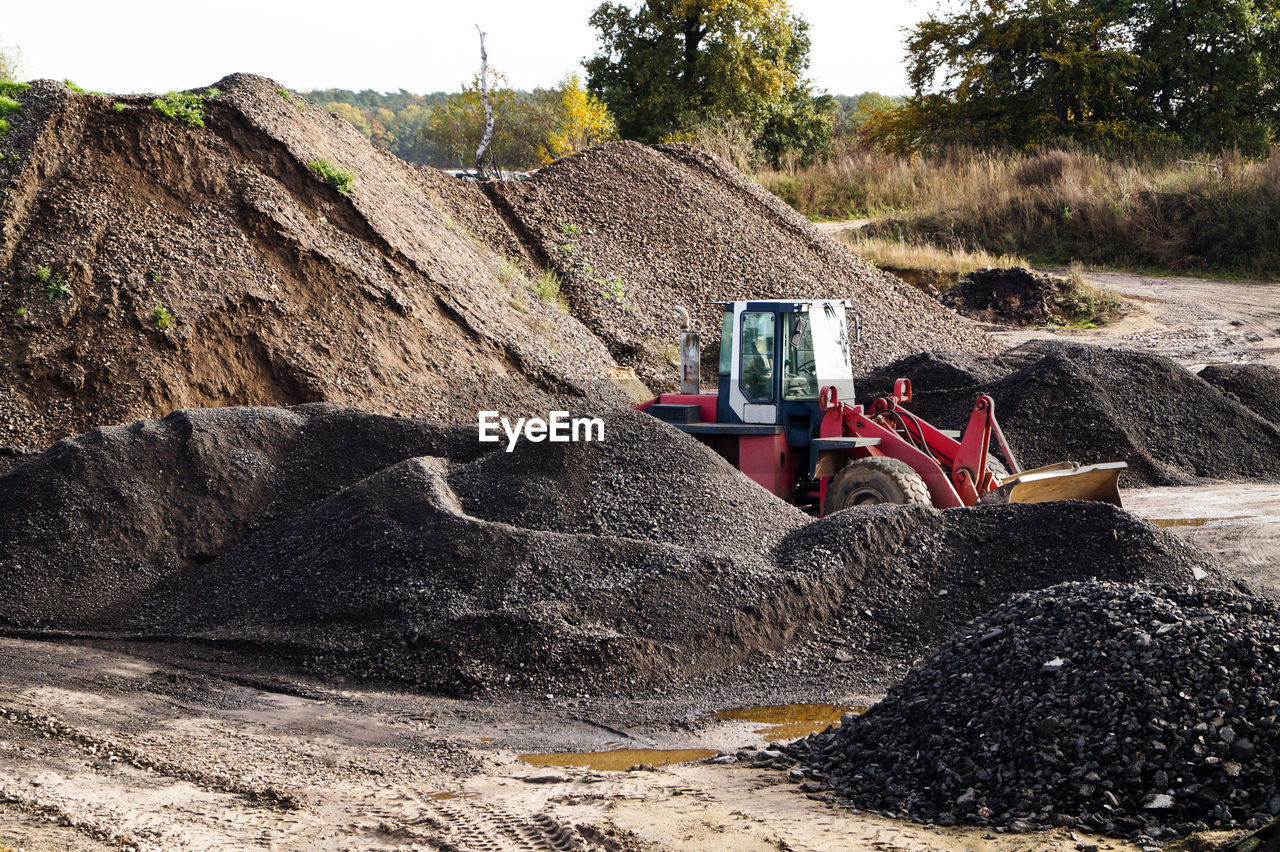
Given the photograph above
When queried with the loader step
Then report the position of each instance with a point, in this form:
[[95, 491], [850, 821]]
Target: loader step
[[674, 413]]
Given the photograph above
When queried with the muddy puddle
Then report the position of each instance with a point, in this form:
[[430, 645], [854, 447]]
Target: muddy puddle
[[788, 721], [1195, 522], [619, 760]]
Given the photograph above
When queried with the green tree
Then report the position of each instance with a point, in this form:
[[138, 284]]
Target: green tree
[[10, 62], [1137, 72], [666, 66]]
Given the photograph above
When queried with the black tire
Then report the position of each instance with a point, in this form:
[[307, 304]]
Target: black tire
[[872, 481], [996, 467]]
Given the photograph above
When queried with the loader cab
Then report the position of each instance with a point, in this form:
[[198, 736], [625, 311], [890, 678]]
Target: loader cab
[[775, 356]]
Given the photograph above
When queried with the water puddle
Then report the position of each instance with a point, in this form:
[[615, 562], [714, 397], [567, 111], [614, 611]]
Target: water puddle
[[620, 759], [1195, 522], [788, 721]]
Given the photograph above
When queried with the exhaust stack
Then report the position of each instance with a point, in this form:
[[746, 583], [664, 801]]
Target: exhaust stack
[[690, 355]]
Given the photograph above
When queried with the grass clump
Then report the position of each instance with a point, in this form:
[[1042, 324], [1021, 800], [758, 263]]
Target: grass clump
[[185, 107], [8, 106], [9, 88], [547, 286], [161, 318], [54, 287], [43, 274], [950, 260], [340, 179], [290, 97], [118, 107]]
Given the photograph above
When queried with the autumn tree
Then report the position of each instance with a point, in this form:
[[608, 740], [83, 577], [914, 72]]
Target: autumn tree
[[10, 62], [665, 66], [581, 120], [1199, 73]]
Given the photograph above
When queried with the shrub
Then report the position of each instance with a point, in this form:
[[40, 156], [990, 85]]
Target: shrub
[[185, 107], [57, 289], [43, 274], [341, 180], [161, 318]]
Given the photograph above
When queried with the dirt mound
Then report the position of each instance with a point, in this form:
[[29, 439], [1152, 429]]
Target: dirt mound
[[1089, 404], [1018, 296], [1255, 385], [88, 527], [1136, 712], [918, 574], [633, 230]]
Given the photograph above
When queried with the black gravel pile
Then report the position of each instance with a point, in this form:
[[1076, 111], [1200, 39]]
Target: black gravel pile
[[646, 482], [88, 527], [1255, 385], [1134, 711], [1089, 404], [933, 371], [606, 587], [917, 575]]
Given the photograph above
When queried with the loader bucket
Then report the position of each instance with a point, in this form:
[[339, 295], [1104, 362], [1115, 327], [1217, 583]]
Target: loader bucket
[[1065, 481]]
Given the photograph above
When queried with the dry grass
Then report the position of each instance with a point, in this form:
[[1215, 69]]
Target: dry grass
[[1217, 213], [914, 254]]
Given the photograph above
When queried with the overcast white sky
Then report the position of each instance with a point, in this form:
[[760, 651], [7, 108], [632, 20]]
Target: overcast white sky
[[157, 45]]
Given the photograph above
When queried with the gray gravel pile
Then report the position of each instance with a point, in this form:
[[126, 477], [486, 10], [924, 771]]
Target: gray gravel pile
[[932, 371], [1257, 386], [1133, 711], [633, 230], [917, 574], [88, 527], [1089, 404]]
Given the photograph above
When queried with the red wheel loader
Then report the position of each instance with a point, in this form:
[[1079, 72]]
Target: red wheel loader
[[784, 414]]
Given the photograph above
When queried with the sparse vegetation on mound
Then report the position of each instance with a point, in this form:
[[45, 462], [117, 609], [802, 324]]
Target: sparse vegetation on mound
[[340, 179], [184, 107]]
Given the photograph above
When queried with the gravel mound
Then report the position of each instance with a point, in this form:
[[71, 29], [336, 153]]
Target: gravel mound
[[1090, 404], [626, 578], [1257, 386], [633, 230], [88, 527], [1133, 711], [644, 482], [932, 371], [916, 574]]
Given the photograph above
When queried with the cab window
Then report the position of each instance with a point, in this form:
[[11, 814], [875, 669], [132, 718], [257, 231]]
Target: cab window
[[726, 342], [799, 366], [756, 379]]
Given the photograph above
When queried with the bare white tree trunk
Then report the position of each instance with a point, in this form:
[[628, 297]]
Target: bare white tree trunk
[[488, 106]]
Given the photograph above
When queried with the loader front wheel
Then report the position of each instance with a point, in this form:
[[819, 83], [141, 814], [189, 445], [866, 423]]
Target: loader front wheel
[[871, 481]]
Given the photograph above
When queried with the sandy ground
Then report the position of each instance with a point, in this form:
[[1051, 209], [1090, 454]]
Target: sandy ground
[[112, 747]]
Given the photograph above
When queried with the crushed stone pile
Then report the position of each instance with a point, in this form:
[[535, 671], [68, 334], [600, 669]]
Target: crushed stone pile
[[1138, 712], [1089, 404], [633, 230], [353, 544], [918, 574], [282, 289], [410, 292], [934, 371], [91, 525], [1257, 386]]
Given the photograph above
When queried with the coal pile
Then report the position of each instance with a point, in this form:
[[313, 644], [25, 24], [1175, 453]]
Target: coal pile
[[1089, 404], [90, 526], [934, 371], [1134, 711], [917, 575], [633, 230], [1257, 386]]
